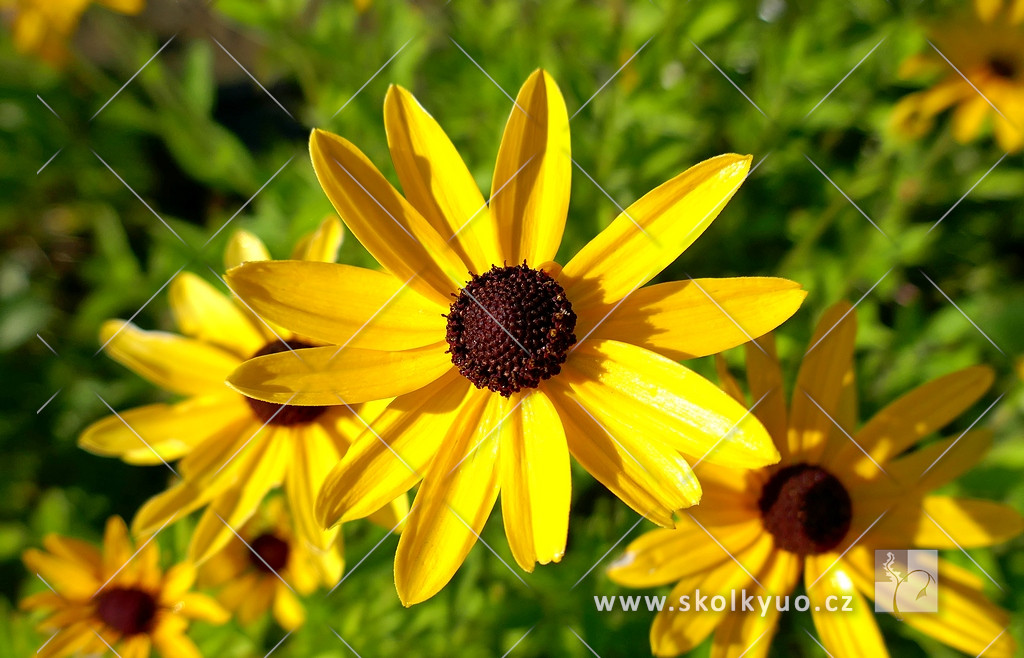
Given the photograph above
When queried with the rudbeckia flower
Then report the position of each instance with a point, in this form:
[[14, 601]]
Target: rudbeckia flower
[[44, 27], [502, 362], [232, 450], [838, 494], [267, 566], [987, 49], [115, 598]]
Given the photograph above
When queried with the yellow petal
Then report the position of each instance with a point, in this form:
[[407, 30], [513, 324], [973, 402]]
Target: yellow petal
[[645, 473], [536, 481], [384, 222], [819, 382], [177, 582], [633, 391], [175, 645], [177, 364], [1008, 135], [436, 181], [339, 304], [71, 641], [530, 188], [968, 119], [323, 243], [687, 319], [652, 232], [117, 547], [749, 634], [987, 9], [164, 432], [177, 502], [677, 631], [727, 382], [915, 415], [288, 611], [852, 633], [244, 247], [264, 462], [764, 376], [664, 556], [203, 312], [71, 579], [388, 461], [136, 646], [313, 457], [200, 606], [964, 523], [326, 376], [453, 503], [936, 464], [74, 550]]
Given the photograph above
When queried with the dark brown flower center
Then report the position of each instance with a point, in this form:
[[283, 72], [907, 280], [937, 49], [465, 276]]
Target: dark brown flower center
[[510, 328], [1003, 66], [806, 508], [269, 553], [281, 414], [127, 611]]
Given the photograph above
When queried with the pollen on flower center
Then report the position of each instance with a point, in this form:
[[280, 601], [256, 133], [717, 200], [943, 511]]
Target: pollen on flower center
[[1003, 66], [127, 611], [510, 328], [269, 553], [806, 509], [288, 414]]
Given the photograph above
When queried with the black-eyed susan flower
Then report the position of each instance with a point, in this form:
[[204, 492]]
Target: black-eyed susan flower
[[268, 566], [117, 598], [233, 450], [503, 362], [988, 50], [838, 494], [44, 27]]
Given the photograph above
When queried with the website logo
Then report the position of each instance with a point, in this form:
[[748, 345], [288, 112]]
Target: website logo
[[906, 581]]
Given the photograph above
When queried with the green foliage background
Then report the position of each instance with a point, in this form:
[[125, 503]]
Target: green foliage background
[[196, 138]]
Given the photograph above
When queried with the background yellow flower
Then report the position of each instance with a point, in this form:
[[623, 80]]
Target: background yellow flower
[[232, 450], [839, 493], [116, 599], [44, 27]]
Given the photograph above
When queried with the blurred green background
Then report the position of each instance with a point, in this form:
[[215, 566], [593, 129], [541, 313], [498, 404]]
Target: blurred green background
[[196, 138]]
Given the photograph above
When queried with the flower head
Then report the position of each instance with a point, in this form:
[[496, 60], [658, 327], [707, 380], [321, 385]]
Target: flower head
[[987, 83], [838, 494], [268, 565], [115, 598], [503, 362], [233, 450]]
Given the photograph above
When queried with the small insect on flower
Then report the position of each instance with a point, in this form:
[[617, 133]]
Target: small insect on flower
[[115, 598], [503, 363], [268, 567], [979, 60], [232, 450], [838, 494]]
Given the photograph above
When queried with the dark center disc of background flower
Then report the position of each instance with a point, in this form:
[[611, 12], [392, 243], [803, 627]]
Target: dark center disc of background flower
[[289, 414], [1003, 65], [127, 611], [510, 328], [272, 549], [806, 508]]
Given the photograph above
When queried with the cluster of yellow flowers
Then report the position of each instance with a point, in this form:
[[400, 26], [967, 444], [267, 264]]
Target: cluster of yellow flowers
[[473, 363]]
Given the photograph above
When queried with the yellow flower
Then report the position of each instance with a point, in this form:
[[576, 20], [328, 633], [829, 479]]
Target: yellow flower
[[531, 362], [43, 27], [836, 496], [987, 49], [233, 450], [270, 568], [115, 598]]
